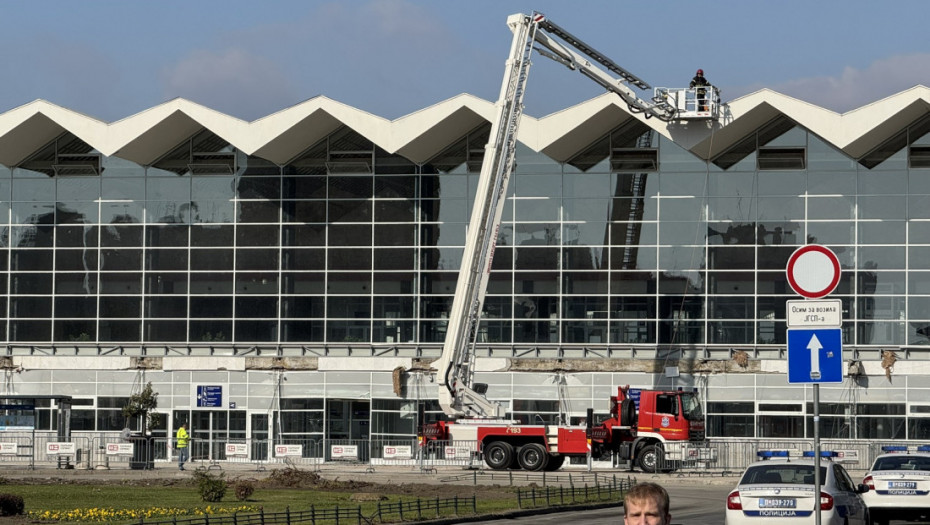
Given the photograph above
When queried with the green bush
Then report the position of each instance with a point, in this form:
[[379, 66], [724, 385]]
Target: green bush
[[211, 488], [11, 505], [244, 490]]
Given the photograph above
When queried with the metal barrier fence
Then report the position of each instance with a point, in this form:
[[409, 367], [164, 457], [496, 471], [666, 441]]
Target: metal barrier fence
[[74, 453], [255, 452], [113, 451], [725, 457], [561, 495], [134, 452], [411, 510], [17, 450], [424, 455]]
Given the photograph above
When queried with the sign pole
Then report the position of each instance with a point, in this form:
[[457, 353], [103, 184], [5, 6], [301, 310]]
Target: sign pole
[[817, 480]]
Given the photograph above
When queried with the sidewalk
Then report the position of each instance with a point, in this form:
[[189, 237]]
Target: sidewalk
[[384, 474]]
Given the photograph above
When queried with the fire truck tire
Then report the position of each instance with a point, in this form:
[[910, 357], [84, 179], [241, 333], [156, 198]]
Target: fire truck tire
[[628, 412], [498, 455], [649, 458], [555, 463], [532, 457]]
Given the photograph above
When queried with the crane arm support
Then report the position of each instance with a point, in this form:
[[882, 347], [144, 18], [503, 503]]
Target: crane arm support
[[586, 62]]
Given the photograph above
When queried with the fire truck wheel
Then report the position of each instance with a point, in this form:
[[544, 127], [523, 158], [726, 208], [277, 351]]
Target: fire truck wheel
[[498, 455], [649, 459], [533, 457], [555, 463]]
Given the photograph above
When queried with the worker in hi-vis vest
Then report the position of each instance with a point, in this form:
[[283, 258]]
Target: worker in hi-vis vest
[[183, 441]]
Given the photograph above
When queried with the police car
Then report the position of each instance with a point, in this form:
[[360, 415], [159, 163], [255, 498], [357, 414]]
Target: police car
[[899, 485], [780, 489]]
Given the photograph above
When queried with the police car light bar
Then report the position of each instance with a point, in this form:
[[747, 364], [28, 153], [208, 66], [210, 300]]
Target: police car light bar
[[794, 453], [772, 453], [892, 449], [823, 454]]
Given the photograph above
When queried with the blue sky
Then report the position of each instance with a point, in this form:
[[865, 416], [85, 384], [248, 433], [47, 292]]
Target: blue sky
[[113, 58]]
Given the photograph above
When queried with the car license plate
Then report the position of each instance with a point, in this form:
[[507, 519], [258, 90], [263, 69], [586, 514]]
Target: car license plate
[[777, 503], [902, 484]]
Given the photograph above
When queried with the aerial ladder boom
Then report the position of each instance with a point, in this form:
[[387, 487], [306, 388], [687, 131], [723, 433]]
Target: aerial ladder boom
[[459, 397], [581, 61]]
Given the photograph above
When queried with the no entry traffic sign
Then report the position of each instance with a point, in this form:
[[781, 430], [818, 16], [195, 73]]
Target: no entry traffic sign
[[813, 271]]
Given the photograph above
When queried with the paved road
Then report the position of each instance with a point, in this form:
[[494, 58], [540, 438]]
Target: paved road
[[691, 504]]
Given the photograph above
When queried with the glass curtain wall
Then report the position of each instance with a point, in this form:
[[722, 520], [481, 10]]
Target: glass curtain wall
[[633, 242]]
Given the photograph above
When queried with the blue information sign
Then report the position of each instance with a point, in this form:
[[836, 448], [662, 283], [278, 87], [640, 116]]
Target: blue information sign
[[815, 356], [635, 394], [209, 396]]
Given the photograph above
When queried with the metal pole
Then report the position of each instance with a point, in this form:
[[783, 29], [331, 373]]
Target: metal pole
[[817, 480]]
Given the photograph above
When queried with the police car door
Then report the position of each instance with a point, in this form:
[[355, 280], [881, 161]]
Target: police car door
[[847, 500]]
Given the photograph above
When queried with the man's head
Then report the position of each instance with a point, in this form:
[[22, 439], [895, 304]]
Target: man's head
[[646, 504], [700, 72]]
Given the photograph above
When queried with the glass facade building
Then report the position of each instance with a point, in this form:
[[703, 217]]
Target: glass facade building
[[634, 258]]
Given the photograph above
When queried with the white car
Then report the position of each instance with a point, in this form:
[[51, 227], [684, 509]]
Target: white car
[[781, 490], [899, 485]]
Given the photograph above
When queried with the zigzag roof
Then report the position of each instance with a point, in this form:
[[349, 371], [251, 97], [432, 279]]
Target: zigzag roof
[[419, 136]]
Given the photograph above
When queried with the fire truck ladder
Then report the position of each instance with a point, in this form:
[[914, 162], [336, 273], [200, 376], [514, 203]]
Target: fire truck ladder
[[457, 396]]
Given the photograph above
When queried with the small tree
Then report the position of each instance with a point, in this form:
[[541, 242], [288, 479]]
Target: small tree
[[141, 405]]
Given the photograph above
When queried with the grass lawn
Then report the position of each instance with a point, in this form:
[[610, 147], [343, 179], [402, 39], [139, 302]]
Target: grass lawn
[[155, 501], [161, 499]]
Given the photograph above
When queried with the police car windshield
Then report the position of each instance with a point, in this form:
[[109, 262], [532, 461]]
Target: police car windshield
[[902, 463], [790, 473]]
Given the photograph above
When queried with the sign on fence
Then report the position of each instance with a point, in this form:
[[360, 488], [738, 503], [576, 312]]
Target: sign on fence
[[120, 449], [8, 449], [281, 451], [344, 451], [238, 450], [847, 456], [63, 447], [398, 452], [700, 453], [457, 452]]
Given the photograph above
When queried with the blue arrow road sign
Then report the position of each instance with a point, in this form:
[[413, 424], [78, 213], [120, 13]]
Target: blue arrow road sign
[[815, 356]]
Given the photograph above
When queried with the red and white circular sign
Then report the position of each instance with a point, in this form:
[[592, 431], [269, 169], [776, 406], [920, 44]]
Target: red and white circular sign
[[813, 271]]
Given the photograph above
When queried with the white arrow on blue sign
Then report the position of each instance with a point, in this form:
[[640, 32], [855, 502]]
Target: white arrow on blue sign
[[815, 356]]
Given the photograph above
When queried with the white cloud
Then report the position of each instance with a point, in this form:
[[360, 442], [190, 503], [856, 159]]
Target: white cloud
[[373, 55], [233, 81], [854, 88]]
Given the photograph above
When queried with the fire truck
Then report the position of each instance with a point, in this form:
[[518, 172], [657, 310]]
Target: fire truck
[[669, 428], [472, 416]]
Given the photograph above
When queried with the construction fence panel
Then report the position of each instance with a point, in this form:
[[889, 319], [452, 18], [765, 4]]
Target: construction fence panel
[[465, 454], [348, 451], [16, 450], [256, 452], [294, 452], [396, 452], [731, 457], [53, 451], [117, 452]]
